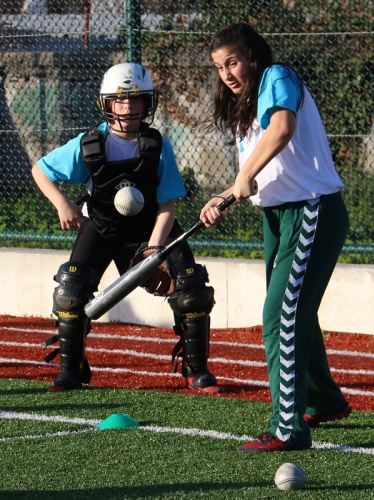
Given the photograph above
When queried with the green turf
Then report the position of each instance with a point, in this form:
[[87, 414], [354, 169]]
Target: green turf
[[136, 463]]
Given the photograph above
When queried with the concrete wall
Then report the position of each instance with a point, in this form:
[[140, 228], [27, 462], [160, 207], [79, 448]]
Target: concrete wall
[[27, 288]]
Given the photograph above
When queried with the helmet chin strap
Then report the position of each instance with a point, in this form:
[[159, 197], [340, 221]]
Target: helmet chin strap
[[138, 117]]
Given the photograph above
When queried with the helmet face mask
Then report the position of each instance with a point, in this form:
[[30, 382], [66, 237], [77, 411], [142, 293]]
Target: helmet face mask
[[126, 81]]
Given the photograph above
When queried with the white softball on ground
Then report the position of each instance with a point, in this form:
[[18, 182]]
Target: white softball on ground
[[290, 477], [129, 201]]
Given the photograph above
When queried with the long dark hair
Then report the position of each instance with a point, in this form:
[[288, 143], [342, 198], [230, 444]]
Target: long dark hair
[[237, 112]]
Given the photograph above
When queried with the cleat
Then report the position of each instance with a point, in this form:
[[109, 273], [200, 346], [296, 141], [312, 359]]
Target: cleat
[[266, 443], [209, 389], [69, 382], [202, 381], [64, 382], [314, 420]]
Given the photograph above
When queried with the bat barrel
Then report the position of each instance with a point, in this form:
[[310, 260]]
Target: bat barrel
[[122, 286], [137, 275]]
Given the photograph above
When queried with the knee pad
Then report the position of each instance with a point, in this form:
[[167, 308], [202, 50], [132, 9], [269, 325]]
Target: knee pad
[[192, 303], [192, 296], [76, 286], [191, 275]]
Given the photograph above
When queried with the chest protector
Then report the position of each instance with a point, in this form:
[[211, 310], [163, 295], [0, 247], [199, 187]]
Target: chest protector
[[110, 176]]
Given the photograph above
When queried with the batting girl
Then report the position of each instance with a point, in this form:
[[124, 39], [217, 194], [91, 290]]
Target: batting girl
[[124, 150], [286, 168]]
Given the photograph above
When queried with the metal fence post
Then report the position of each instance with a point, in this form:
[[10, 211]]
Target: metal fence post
[[133, 33]]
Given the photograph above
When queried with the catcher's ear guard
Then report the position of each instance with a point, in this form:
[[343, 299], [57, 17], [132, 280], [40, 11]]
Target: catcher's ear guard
[[162, 280]]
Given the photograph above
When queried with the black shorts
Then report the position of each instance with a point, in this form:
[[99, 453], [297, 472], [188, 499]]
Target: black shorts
[[97, 252]]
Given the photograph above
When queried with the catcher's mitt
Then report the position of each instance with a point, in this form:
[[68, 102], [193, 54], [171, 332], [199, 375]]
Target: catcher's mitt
[[162, 280]]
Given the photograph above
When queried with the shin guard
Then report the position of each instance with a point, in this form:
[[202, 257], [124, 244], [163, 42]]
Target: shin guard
[[191, 305], [76, 286]]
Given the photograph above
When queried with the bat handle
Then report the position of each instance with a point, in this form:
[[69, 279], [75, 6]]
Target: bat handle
[[200, 224], [222, 206], [226, 202]]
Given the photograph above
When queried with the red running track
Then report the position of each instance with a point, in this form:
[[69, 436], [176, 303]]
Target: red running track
[[139, 357]]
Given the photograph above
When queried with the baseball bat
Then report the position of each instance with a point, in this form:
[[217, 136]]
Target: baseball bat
[[135, 276]]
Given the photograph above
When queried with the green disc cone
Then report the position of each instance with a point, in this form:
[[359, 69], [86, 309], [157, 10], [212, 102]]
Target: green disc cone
[[118, 421]]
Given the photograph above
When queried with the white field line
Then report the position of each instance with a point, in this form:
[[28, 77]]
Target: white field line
[[134, 372], [46, 418], [130, 352], [46, 435], [152, 428], [220, 360], [245, 382], [172, 340]]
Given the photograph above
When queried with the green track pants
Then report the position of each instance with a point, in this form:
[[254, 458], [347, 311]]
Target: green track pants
[[302, 244]]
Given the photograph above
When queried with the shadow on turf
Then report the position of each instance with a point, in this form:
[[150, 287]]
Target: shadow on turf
[[52, 400], [349, 487], [243, 389], [342, 425], [22, 392], [145, 491], [148, 491]]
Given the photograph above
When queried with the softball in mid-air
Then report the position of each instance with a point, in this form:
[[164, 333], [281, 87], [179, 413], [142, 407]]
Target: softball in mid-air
[[129, 201], [290, 476]]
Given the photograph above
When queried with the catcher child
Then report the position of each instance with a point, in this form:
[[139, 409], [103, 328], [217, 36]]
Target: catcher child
[[124, 150]]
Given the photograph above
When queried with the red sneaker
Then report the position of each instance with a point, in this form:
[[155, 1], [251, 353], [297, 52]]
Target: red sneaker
[[201, 381], [267, 442], [209, 389], [69, 382], [314, 420]]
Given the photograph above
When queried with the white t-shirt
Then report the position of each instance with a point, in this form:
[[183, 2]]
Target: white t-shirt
[[304, 169], [117, 149]]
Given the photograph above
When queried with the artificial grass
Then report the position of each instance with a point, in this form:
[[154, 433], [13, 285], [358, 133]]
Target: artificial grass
[[136, 463]]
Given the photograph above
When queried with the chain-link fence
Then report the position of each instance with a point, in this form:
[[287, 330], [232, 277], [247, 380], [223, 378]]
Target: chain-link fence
[[54, 53]]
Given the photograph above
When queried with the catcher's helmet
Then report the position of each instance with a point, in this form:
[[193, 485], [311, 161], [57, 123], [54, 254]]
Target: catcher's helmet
[[128, 80]]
